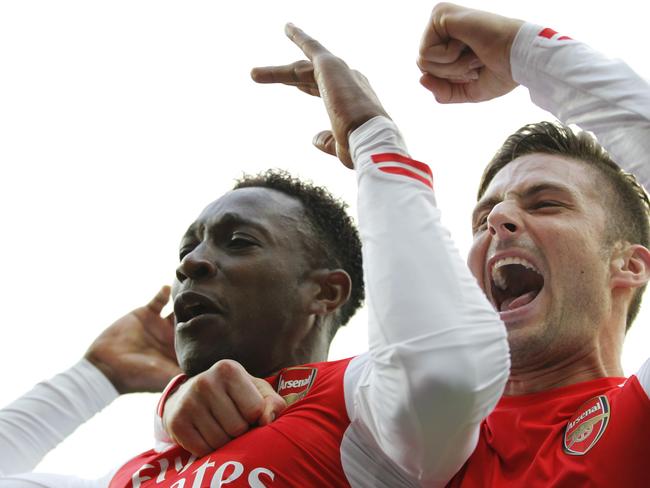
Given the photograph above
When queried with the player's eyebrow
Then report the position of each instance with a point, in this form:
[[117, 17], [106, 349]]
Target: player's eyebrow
[[547, 187], [530, 192], [230, 220], [225, 222]]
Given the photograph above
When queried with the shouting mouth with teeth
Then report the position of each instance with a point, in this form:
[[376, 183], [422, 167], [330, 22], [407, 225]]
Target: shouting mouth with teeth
[[514, 283]]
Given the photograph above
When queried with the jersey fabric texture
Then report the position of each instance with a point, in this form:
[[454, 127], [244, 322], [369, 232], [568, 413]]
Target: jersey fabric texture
[[594, 433], [300, 448]]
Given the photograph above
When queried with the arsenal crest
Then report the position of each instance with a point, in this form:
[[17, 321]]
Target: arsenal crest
[[294, 383], [587, 426]]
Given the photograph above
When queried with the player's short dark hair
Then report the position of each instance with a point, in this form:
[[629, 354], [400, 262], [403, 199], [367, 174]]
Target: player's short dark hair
[[626, 204], [334, 241]]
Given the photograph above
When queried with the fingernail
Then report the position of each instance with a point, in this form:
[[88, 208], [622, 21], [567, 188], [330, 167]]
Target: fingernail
[[320, 139], [471, 75]]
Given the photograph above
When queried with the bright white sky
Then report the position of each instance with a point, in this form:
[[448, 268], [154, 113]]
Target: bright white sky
[[121, 120]]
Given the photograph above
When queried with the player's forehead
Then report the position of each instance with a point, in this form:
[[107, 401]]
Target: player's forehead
[[268, 209], [540, 171]]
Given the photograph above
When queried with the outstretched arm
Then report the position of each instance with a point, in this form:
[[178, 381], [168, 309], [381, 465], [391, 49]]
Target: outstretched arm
[[38, 421], [42, 480], [133, 354]]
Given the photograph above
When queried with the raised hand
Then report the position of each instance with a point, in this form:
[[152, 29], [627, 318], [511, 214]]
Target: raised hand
[[217, 405], [465, 54], [136, 353], [346, 93]]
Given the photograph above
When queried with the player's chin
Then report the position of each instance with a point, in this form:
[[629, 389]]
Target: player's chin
[[194, 359]]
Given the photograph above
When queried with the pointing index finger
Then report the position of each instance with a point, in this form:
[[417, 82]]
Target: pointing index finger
[[309, 46]]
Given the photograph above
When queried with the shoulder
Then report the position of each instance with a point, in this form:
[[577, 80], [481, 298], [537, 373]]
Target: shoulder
[[321, 382]]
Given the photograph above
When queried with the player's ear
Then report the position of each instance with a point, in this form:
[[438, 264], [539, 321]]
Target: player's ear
[[332, 290], [630, 266]]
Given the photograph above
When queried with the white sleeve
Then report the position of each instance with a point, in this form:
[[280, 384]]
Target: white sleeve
[[581, 86], [38, 421], [41, 480], [438, 354]]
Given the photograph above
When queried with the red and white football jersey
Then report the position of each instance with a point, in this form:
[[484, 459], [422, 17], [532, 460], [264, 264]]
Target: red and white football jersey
[[591, 434], [300, 448]]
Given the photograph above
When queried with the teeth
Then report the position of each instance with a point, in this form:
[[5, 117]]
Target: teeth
[[497, 275]]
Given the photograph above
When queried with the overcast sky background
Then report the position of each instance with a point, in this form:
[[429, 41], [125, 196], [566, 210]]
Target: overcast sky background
[[121, 120]]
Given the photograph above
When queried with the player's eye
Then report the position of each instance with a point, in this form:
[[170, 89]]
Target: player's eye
[[546, 204], [184, 251], [238, 240], [480, 223]]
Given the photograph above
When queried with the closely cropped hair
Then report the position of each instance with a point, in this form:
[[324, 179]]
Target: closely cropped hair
[[628, 204], [334, 240]]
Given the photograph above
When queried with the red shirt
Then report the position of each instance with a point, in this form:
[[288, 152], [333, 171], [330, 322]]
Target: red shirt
[[595, 433], [300, 448]]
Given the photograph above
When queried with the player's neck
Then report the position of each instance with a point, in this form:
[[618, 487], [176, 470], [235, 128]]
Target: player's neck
[[313, 351], [587, 365]]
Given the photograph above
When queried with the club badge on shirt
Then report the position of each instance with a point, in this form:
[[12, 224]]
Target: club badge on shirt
[[294, 383], [587, 426]]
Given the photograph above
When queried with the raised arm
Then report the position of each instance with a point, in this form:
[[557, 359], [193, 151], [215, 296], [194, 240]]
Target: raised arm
[[438, 356], [566, 77], [582, 86]]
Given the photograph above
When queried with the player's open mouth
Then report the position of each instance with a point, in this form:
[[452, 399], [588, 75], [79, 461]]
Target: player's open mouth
[[189, 305], [514, 283]]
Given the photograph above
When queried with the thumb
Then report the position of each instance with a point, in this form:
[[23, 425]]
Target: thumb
[[326, 142], [160, 300], [274, 404]]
